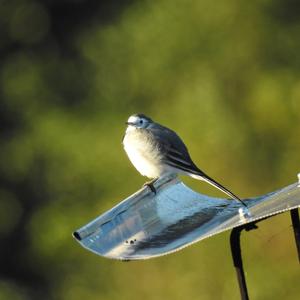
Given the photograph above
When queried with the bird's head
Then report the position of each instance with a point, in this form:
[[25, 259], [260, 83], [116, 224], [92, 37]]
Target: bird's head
[[139, 121]]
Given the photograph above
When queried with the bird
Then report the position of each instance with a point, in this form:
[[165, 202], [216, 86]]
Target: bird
[[155, 151]]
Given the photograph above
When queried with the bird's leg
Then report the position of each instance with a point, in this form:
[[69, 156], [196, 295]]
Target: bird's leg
[[150, 185]]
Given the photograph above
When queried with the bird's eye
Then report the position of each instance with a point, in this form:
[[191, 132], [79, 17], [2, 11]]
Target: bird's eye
[[141, 121]]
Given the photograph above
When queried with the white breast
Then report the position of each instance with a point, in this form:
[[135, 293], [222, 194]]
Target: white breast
[[142, 154]]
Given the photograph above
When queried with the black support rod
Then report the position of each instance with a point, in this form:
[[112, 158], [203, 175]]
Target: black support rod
[[235, 244], [296, 227]]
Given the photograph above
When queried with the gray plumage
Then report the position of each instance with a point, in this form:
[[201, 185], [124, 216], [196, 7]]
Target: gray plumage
[[156, 150]]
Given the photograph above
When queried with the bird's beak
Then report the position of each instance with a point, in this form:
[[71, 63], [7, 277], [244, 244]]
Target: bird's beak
[[129, 123]]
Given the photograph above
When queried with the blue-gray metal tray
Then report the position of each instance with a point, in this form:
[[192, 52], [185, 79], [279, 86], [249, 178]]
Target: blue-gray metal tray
[[147, 225]]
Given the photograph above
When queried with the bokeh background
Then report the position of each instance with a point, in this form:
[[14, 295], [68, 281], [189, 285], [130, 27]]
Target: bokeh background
[[225, 75]]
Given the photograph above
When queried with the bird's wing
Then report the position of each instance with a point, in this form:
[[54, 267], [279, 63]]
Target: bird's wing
[[174, 151]]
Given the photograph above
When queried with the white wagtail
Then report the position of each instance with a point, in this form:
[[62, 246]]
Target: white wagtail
[[156, 150]]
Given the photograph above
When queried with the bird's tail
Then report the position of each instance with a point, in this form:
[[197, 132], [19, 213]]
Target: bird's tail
[[217, 185]]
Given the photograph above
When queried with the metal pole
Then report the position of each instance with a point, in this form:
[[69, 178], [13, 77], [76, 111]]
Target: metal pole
[[235, 244], [296, 227]]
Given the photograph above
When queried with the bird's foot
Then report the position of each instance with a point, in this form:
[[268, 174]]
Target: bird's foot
[[150, 185]]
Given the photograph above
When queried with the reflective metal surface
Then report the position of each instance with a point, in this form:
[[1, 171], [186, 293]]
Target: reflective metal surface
[[146, 225]]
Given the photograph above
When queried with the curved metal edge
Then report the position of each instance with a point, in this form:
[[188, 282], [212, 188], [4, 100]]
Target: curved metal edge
[[92, 226]]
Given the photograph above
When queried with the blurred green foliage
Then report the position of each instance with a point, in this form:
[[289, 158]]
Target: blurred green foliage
[[224, 75]]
